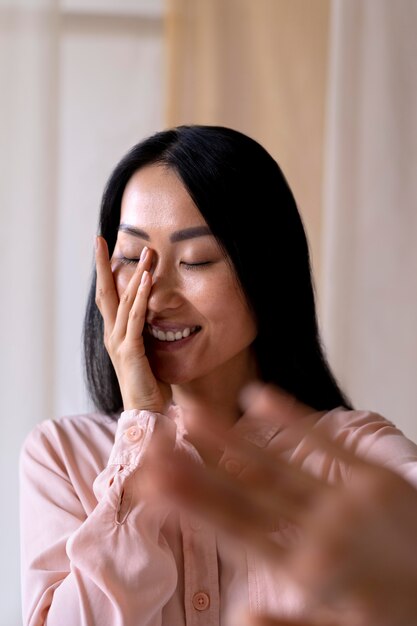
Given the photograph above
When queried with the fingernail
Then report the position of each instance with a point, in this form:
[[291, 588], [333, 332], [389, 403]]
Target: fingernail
[[145, 279], [143, 254], [96, 241]]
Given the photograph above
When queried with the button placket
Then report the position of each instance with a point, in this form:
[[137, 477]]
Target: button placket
[[201, 574]]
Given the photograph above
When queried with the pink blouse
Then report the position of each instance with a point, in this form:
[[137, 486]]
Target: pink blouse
[[96, 553]]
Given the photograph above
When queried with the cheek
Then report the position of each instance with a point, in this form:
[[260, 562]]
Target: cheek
[[206, 292], [239, 314], [222, 301]]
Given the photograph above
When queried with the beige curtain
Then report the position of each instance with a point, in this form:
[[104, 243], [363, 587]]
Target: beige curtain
[[339, 113], [370, 220], [259, 67]]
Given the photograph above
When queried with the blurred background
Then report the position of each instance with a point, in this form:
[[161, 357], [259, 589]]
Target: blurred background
[[329, 87]]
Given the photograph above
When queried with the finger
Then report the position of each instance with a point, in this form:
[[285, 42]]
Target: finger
[[137, 313], [271, 621], [107, 300], [266, 400], [317, 617], [293, 488], [218, 499], [286, 489], [266, 472], [129, 295]]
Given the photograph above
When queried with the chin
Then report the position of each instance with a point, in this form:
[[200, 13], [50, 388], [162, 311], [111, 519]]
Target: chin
[[171, 376]]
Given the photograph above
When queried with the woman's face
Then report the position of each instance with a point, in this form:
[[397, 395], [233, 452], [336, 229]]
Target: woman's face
[[198, 323]]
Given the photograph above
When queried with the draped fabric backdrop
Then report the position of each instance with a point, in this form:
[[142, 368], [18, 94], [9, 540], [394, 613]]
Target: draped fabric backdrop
[[259, 67], [329, 87], [369, 267], [27, 249], [330, 90], [81, 81]]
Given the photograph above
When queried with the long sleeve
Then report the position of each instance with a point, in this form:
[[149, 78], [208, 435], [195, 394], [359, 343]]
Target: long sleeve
[[109, 566]]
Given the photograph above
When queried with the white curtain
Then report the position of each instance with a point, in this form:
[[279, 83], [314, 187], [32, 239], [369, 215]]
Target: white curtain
[[78, 88], [27, 196], [369, 301]]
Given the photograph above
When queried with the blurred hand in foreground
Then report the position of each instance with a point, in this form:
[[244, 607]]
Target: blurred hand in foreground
[[356, 555]]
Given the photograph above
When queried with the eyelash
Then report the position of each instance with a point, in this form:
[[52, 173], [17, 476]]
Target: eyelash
[[187, 266], [193, 266], [127, 261]]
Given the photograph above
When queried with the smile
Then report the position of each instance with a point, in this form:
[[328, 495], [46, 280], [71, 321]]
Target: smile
[[172, 335]]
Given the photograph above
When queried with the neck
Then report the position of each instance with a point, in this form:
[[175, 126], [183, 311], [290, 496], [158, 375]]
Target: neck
[[208, 409], [214, 397]]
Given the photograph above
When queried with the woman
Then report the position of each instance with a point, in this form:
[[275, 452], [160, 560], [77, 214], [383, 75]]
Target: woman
[[200, 235]]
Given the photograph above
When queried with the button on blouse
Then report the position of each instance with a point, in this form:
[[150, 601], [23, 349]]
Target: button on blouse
[[134, 433], [201, 601]]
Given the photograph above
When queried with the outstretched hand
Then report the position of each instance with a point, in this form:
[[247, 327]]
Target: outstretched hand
[[356, 555], [124, 323]]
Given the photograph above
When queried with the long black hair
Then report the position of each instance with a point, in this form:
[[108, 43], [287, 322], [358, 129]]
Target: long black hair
[[246, 201]]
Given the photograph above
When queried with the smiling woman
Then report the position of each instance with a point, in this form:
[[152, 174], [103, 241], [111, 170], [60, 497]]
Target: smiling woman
[[200, 236], [187, 334]]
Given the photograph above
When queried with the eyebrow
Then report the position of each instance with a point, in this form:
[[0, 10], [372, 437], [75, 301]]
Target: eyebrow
[[179, 235]]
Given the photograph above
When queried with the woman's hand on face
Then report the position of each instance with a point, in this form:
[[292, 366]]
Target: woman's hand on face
[[124, 323]]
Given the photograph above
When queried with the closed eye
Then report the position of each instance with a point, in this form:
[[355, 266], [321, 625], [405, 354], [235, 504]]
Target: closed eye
[[126, 261], [193, 266], [189, 266]]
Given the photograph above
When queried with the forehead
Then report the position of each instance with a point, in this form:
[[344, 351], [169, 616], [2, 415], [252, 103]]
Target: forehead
[[156, 196]]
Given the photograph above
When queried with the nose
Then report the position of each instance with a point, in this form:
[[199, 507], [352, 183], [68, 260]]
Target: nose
[[165, 292]]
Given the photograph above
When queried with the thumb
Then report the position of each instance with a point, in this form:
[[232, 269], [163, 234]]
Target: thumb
[[265, 620]]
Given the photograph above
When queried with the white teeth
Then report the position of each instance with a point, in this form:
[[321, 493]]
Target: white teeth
[[171, 335]]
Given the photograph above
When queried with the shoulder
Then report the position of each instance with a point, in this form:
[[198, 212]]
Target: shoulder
[[73, 439], [372, 436], [352, 427], [343, 423]]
